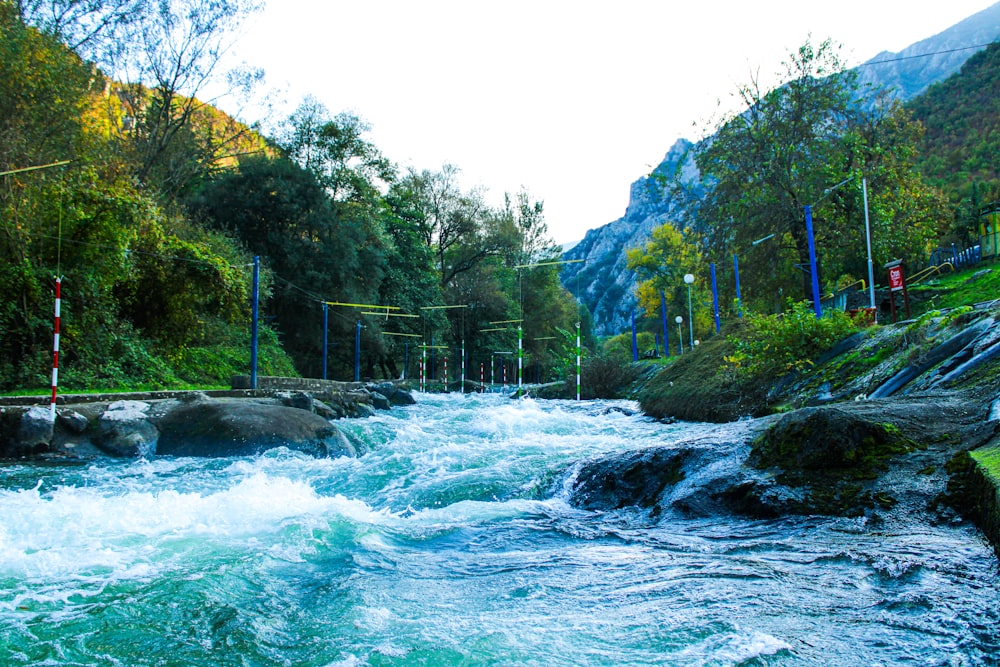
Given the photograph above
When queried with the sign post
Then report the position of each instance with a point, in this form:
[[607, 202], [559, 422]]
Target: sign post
[[897, 283]]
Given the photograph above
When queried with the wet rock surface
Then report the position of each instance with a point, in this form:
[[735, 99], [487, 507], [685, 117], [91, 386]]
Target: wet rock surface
[[192, 424], [879, 459], [235, 427]]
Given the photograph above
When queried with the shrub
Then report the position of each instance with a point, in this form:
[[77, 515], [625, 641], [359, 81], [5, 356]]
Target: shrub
[[773, 345], [607, 376]]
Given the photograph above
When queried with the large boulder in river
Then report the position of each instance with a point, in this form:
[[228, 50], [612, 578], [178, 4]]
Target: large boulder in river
[[125, 430], [238, 427]]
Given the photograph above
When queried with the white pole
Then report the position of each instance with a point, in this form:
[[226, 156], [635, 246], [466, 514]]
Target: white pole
[[868, 237], [578, 361], [463, 365], [520, 357], [689, 278]]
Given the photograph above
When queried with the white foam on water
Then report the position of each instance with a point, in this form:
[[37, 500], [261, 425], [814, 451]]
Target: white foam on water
[[733, 649], [74, 530]]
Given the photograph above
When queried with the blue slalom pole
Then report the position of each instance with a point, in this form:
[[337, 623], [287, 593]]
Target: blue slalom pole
[[715, 300], [357, 352], [817, 306], [254, 316], [326, 328], [739, 298]]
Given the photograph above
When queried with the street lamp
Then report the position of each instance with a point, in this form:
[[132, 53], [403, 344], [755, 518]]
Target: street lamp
[[689, 278], [868, 238], [680, 336]]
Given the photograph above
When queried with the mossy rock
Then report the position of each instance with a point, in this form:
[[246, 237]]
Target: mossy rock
[[828, 442]]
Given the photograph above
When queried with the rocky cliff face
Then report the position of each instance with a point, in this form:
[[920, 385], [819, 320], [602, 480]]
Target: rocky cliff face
[[604, 283]]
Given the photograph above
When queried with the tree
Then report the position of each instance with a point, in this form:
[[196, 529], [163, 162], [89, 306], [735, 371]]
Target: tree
[[349, 166], [789, 148], [279, 211], [661, 265], [459, 226], [91, 26], [170, 54]]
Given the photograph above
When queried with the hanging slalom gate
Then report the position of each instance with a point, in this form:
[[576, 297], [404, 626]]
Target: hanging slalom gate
[[55, 348]]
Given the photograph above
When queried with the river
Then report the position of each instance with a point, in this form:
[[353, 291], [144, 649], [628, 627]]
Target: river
[[453, 541]]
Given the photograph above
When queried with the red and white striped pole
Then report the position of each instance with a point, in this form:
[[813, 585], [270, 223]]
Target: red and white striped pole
[[55, 349], [423, 360], [482, 376], [446, 372]]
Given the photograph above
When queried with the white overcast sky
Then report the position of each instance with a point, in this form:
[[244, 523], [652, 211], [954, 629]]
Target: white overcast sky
[[571, 100]]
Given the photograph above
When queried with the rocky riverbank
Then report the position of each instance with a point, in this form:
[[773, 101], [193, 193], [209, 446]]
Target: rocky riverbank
[[895, 423], [191, 423]]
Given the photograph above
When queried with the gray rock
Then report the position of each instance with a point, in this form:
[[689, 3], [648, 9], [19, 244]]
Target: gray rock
[[402, 397], [363, 410], [35, 430], [632, 479], [296, 399], [238, 427], [325, 411], [379, 401], [72, 421], [387, 389], [124, 430]]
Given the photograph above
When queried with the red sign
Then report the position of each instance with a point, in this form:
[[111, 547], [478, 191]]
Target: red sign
[[896, 278]]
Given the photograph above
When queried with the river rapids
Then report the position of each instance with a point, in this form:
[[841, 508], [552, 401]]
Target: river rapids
[[455, 541]]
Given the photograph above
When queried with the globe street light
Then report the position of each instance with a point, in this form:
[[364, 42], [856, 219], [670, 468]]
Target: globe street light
[[680, 335], [689, 278]]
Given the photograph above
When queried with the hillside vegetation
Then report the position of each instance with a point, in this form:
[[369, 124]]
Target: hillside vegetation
[[958, 153], [763, 365], [150, 205]]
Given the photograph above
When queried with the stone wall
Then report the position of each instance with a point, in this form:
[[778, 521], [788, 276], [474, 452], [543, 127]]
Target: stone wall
[[294, 384]]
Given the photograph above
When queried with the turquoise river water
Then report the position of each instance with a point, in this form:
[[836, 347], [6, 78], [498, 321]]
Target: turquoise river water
[[454, 541]]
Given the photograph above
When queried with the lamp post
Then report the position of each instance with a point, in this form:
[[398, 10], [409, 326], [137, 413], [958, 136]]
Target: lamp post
[[680, 336], [689, 278], [868, 239]]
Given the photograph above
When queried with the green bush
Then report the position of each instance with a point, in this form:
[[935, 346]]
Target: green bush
[[620, 346], [217, 362], [607, 376], [773, 345]]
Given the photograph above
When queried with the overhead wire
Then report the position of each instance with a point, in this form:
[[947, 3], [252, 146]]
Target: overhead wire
[[924, 55]]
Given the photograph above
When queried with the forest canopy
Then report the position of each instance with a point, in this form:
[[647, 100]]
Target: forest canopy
[[150, 204]]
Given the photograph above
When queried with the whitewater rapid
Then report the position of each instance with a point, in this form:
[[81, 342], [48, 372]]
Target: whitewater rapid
[[455, 541]]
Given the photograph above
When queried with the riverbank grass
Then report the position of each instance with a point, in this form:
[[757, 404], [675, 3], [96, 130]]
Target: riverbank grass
[[988, 460]]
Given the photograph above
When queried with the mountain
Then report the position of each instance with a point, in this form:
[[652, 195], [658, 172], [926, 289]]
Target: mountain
[[910, 72], [604, 284], [602, 281]]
